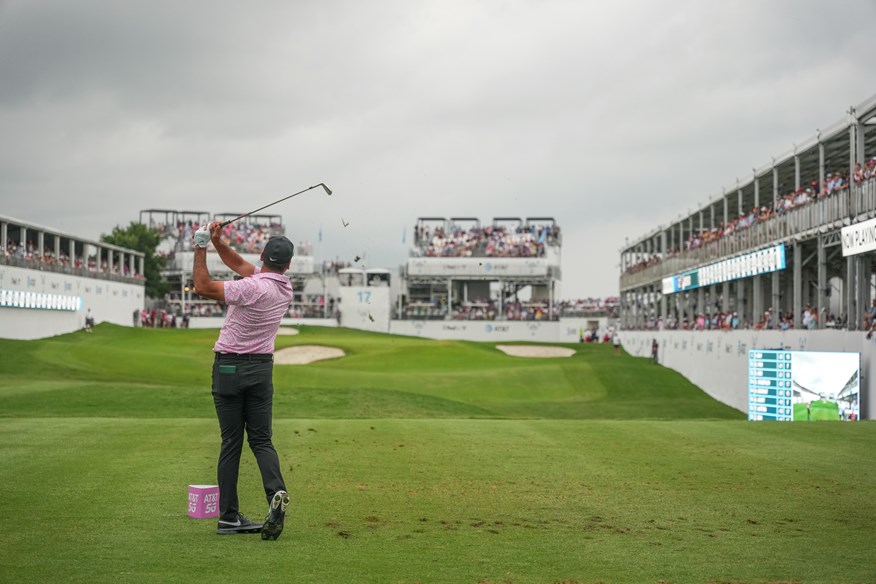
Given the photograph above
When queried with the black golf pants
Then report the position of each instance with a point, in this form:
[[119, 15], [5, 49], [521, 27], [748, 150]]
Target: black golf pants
[[243, 392]]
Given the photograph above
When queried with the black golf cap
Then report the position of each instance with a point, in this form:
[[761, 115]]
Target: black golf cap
[[278, 251]]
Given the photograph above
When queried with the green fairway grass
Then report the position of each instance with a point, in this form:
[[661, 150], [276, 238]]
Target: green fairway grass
[[411, 460]]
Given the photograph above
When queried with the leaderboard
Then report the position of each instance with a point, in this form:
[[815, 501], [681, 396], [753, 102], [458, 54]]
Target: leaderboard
[[770, 393]]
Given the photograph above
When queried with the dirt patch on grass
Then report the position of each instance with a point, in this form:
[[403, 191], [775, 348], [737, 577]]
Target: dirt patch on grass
[[535, 351], [287, 331], [304, 354]]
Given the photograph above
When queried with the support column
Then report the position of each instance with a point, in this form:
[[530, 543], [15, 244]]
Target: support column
[[681, 236], [743, 305], [851, 289], [713, 298], [776, 296], [678, 304], [652, 300], [756, 190], [775, 183], [689, 309], [863, 273], [756, 300], [663, 308], [796, 170], [449, 304], [856, 153], [797, 294], [820, 163], [642, 306], [663, 243], [823, 300]]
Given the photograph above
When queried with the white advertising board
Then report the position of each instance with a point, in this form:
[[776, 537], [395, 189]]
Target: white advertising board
[[365, 307], [859, 238], [38, 304], [485, 268], [185, 260]]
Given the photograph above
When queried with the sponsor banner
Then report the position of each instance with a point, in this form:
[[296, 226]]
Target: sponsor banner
[[474, 330], [859, 238], [35, 304], [39, 300], [365, 308], [478, 267], [299, 265], [762, 261]]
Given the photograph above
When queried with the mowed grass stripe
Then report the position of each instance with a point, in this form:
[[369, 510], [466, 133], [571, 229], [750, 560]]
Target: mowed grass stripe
[[448, 501], [419, 461]]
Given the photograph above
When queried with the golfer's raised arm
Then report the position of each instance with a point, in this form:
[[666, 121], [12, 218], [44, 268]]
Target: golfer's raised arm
[[228, 256], [204, 285]]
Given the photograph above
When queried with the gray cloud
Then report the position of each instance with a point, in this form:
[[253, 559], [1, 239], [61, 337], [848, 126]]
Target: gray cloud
[[610, 117]]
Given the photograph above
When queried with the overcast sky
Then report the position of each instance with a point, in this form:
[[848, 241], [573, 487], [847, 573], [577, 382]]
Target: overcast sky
[[612, 117]]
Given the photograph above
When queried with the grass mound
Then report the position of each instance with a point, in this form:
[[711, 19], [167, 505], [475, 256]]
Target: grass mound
[[145, 373]]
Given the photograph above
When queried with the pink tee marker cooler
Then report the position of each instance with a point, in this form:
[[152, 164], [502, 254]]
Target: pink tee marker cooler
[[203, 501]]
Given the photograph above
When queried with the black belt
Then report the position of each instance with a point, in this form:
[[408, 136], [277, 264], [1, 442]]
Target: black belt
[[266, 357]]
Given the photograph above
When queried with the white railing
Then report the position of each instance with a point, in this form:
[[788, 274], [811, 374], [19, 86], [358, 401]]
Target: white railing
[[831, 212]]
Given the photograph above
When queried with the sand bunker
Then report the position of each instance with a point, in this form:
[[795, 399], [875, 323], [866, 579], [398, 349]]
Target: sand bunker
[[304, 354], [287, 331], [535, 351]]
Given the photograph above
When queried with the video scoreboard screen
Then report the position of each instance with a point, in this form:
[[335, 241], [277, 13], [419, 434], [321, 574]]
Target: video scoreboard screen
[[803, 385]]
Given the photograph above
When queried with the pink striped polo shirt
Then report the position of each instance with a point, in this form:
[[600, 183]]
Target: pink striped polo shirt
[[256, 305]]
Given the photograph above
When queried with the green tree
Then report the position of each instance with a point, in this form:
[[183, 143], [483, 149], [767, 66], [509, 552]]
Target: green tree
[[138, 237]]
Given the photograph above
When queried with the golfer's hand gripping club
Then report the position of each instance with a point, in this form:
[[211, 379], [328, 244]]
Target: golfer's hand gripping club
[[202, 236]]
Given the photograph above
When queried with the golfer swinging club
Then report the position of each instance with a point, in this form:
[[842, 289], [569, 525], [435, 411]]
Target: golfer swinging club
[[243, 388]]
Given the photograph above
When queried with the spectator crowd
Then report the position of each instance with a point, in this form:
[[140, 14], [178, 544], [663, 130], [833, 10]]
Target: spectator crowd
[[730, 320], [30, 253], [490, 241], [243, 236], [800, 197], [489, 309]]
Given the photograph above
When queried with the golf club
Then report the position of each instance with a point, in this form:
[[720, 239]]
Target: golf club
[[328, 191]]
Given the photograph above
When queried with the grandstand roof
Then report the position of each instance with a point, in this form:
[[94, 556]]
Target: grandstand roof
[[55, 232]]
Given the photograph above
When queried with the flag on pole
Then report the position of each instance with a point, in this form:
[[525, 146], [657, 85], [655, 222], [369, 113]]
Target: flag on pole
[[320, 233], [404, 234]]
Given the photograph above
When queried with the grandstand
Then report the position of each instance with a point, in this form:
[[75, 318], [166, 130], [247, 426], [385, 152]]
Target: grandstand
[[784, 259], [772, 242], [500, 280], [461, 270], [60, 277]]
